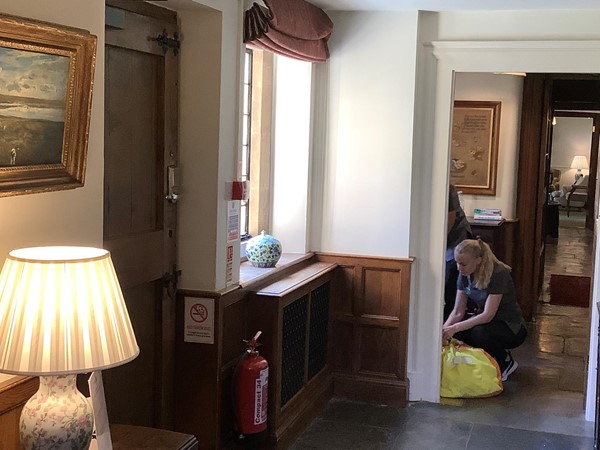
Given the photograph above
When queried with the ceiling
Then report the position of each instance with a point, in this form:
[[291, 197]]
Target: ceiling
[[452, 5]]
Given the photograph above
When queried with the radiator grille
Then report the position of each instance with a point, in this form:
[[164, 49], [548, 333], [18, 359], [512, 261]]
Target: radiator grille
[[295, 369], [319, 318], [294, 341]]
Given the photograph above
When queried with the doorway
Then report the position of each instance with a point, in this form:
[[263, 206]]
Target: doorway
[[571, 149], [552, 360], [491, 56], [568, 212]]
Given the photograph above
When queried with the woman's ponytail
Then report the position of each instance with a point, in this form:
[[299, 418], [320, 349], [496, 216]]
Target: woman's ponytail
[[477, 248]]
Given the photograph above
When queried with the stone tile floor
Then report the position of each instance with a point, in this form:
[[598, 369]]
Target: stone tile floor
[[542, 406]]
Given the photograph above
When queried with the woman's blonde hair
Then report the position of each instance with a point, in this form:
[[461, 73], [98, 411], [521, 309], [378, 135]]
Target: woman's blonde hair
[[479, 249]]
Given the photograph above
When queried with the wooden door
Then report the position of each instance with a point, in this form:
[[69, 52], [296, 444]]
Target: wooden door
[[593, 183], [542, 190], [529, 252], [139, 222]]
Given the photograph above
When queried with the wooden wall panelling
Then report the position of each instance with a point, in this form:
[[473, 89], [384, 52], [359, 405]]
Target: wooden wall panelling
[[200, 405], [14, 393], [204, 372], [343, 328], [367, 326], [370, 327], [233, 331]]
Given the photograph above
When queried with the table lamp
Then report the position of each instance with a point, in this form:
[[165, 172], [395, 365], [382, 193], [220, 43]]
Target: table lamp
[[61, 313], [579, 162]]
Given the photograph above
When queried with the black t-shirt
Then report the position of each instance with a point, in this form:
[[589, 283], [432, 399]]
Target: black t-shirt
[[501, 282], [461, 229]]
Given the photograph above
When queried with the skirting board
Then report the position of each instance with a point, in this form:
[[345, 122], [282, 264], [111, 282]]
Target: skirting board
[[385, 392]]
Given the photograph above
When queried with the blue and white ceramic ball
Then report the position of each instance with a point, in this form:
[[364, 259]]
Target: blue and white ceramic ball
[[263, 250]]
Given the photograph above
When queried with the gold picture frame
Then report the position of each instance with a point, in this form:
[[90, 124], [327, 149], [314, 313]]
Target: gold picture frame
[[474, 147], [45, 101]]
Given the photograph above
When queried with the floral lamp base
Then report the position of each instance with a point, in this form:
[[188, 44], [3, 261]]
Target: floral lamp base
[[57, 417]]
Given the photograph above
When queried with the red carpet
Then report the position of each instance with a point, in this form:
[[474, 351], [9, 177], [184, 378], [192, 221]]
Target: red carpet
[[570, 290]]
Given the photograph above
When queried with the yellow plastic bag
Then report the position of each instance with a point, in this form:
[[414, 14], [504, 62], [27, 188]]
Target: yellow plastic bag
[[468, 372]]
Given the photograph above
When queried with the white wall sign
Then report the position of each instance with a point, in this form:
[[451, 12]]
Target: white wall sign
[[233, 220], [199, 322], [229, 266]]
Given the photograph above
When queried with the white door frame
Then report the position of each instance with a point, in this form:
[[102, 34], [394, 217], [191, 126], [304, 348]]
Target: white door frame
[[490, 57]]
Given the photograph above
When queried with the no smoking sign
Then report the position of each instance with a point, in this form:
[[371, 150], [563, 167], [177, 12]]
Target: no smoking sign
[[199, 323], [198, 313]]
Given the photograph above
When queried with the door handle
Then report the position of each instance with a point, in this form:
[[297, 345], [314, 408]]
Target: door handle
[[172, 184]]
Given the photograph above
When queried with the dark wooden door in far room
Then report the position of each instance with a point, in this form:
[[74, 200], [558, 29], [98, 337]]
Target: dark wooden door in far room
[[139, 221]]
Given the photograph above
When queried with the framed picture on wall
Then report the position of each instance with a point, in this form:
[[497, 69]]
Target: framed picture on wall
[[46, 82], [474, 147]]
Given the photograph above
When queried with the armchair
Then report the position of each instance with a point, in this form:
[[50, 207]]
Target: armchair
[[575, 195]]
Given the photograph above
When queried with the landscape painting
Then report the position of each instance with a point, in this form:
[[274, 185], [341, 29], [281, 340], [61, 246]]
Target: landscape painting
[[32, 107], [46, 79]]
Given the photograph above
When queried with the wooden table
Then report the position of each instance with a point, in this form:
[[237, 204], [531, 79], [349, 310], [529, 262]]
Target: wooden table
[[130, 437]]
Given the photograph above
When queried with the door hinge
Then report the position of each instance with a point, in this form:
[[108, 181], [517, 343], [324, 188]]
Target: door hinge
[[170, 279], [167, 43]]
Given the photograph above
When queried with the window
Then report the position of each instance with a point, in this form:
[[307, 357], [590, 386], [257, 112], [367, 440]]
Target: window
[[246, 124], [255, 157], [275, 151]]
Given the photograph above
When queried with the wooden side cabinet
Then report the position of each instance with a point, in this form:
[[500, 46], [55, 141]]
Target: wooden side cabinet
[[499, 235], [293, 314]]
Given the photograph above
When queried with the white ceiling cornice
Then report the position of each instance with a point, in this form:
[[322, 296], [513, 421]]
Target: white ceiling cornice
[[453, 5]]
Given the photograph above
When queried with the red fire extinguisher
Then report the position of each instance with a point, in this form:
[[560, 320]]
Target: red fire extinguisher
[[251, 384]]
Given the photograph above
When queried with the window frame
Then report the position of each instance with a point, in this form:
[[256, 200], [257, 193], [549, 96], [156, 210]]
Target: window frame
[[259, 152]]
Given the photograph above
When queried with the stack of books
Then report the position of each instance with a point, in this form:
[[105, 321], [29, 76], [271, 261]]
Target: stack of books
[[487, 214]]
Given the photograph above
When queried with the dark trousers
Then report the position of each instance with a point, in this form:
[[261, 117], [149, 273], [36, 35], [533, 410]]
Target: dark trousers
[[494, 337], [450, 287]]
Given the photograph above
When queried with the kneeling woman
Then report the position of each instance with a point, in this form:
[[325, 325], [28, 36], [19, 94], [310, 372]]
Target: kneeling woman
[[486, 313]]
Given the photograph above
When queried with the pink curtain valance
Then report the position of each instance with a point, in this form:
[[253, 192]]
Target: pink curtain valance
[[294, 28]]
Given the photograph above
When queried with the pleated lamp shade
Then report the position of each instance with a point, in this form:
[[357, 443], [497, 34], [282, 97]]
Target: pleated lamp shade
[[62, 312], [579, 162]]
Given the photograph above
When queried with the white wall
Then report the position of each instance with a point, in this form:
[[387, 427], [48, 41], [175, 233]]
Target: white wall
[[571, 136], [72, 217], [426, 235], [518, 25], [209, 106], [507, 89], [367, 168]]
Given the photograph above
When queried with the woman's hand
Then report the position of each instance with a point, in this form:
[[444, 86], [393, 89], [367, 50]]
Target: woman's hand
[[448, 331]]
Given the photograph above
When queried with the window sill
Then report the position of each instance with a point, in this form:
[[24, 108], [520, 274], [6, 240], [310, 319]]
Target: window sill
[[250, 275]]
